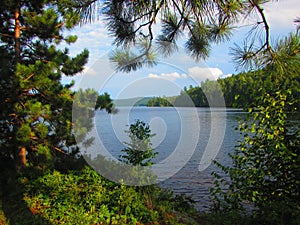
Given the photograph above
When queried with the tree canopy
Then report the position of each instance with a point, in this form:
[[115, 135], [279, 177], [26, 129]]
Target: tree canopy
[[36, 108]]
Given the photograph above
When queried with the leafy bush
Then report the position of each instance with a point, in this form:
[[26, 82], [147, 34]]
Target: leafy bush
[[265, 176], [84, 197]]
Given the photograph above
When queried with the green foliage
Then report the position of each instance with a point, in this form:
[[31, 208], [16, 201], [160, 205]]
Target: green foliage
[[213, 93], [35, 106], [133, 24], [126, 19], [85, 104], [105, 102], [138, 101], [240, 90], [139, 151], [190, 97], [159, 102], [3, 218], [264, 177], [84, 197], [208, 95]]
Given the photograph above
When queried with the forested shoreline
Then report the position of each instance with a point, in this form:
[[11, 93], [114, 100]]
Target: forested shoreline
[[239, 91], [44, 124]]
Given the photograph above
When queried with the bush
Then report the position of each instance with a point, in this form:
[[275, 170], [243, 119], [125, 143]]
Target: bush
[[84, 197], [265, 176]]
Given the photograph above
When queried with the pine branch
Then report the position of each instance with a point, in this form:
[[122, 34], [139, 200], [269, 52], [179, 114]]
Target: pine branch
[[30, 76], [59, 150], [7, 35], [266, 44], [297, 21]]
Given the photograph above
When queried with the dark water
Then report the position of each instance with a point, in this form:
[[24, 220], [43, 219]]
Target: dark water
[[194, 134]]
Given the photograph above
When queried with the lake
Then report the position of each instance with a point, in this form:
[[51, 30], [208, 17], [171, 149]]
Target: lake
[[187, 140]]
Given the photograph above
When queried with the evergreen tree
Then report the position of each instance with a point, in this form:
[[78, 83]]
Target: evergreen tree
[[138, 151], [191, 97], [35, 118]]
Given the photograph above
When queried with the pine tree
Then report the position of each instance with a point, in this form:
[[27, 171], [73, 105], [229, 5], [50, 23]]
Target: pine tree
[[138, 151], [35, 118]]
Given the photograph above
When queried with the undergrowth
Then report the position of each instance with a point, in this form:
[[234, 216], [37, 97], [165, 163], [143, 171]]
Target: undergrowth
[[85, 197]]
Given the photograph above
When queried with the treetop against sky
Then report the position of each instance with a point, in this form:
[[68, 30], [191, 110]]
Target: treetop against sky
[[171, 74]]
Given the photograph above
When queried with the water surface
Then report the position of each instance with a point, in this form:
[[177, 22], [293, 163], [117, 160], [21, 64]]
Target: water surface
[[177, 129]]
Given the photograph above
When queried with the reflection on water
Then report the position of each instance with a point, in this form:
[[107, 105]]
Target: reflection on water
[[172, 125]]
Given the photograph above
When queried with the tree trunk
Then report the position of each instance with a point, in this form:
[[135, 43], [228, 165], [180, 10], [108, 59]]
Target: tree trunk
[[21, 154], [17, 34], [21, 158]]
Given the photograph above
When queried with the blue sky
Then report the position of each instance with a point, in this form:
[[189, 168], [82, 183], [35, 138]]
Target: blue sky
[[171, 74]]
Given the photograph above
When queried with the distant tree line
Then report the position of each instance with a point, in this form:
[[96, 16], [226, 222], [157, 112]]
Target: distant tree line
[[242, 90], [159, 102], [239, 91]]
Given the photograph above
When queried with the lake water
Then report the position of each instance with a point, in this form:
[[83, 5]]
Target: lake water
[[187, 139]]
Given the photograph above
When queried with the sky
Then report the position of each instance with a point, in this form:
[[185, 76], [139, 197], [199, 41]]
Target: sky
[[170, 74]]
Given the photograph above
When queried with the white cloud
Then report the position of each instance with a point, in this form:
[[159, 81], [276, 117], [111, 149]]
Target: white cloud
[[226, 75], [197, 73], [89, 71], [167, 76], [94, 37], [281, 14], [203, 73], [184, 75], [151, 75]]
